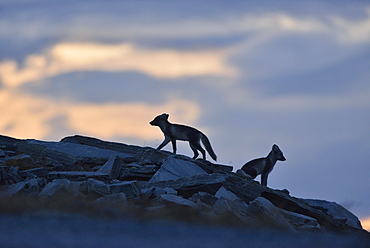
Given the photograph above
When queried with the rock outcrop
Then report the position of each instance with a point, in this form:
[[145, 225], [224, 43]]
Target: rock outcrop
[[154, 181]]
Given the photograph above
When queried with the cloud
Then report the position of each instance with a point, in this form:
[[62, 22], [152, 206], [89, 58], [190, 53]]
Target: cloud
[[350, 31], [24, 116], [28, 117], [127, 120], [69, 57], [366, 223]]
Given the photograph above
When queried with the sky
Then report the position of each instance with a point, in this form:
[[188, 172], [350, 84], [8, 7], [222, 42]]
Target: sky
[[249, 74]]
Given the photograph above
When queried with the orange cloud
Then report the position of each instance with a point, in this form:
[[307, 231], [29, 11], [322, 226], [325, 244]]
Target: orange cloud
[[366, 224], [24, 116], [109, 120], [28, 117], [162, 63]]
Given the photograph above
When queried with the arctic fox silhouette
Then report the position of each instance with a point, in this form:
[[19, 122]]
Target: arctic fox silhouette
[[262, 166], [173, 132]]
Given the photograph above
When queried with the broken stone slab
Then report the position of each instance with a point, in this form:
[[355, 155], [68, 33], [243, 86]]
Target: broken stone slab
[[223, 192], [58, 186], [205, 198], [130, 188], [173, 199], [262, 213], [31, 187], [13, 189], [153, 192], [110, 170], [236, 211], [13, 175], [77, 175], [142, 155], [2, 154], [6, 140], [138, 172], [174, 168], [39, 172], [98, 187], [69, 153], [296, 205], [188, 186], [112, 167], [162, 191], [248, 190], [335, 210], [113, 199], [301, 222]]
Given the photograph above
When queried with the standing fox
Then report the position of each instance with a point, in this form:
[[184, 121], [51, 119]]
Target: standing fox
[[262, 166], [173, 132]]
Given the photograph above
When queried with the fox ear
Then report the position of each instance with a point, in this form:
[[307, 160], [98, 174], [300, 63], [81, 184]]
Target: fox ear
[[275, 146], [167, 115]]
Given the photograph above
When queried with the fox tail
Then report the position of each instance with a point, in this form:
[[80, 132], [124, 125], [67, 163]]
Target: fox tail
[[208, 146]]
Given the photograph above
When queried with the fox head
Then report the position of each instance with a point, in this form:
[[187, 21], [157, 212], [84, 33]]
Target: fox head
[[278, 153], [158, 119]]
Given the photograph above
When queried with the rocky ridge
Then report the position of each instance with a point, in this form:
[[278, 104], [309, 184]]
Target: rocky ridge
[[156, 182]]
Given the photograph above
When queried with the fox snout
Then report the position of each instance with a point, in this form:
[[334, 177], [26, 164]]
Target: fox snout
[[153, 123], [281, 157]]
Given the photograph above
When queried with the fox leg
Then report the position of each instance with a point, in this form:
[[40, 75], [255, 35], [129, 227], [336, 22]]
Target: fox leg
[[196, 146], [165, 142], [174, 148], [194, 150], [264, 179]]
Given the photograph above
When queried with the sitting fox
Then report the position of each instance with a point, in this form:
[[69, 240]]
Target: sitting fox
[[262, 166], [173, 132]]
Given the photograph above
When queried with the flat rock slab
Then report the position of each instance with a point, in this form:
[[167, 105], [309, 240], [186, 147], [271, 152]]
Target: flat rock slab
[[77, 175], [177, 200], [188, 186], [68, 153], [143, 155], [174, 168], [335, 210]]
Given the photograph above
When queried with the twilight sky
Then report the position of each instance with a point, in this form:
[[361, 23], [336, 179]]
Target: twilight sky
[[247, 73]]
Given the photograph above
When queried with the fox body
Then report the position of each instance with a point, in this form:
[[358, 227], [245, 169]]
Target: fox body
[[263, 166], [173, 132]]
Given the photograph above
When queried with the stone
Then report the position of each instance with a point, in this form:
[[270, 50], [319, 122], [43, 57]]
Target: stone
[[114, 199], [286, 202], [13, 189], [236, 211], [205, 198], [188, 186], [59, 186], [173, 199], [141, 155], [130, 188], [174, 168], [69, 153], [2, 154], [138, 172], [112, 167], [39, 172], [77, 175], [335, 210], [263, 213], [98, 187], [301, 222], [223, 192], [161, 191]]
